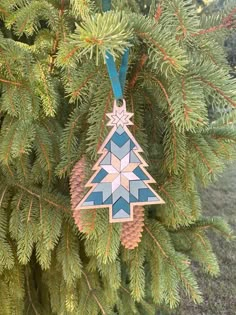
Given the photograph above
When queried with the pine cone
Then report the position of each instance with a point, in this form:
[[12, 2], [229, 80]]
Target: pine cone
[[132, 231], [77, 182]]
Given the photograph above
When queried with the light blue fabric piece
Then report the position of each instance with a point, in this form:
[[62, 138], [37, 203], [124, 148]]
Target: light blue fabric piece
[[120, 192], [88, 203], [134, 158], [135, 186], [120, 130], [121, 214], [106, 190], [120, 152], [153, 199], [106, 160]]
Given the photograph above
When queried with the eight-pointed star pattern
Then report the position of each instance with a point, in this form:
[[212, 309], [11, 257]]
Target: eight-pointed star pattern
[[119, 117], [120, 172]]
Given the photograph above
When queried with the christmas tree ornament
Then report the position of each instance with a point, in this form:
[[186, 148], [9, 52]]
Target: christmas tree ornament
[[120, 181], [131, 232]]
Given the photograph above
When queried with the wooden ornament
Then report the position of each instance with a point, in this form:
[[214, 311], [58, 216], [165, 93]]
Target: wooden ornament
[[131, 232], [120, 181]]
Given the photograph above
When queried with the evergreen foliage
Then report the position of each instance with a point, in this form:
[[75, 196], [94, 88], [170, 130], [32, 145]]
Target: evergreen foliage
[[54, 94]]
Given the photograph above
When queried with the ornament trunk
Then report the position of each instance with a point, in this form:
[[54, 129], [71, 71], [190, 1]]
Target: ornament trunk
[[54, 95]]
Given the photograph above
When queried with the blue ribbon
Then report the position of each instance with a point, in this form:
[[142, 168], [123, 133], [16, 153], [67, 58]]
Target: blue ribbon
[[117, 79], [106, 5]]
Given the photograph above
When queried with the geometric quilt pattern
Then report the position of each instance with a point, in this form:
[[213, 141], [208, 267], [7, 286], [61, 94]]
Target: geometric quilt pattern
[[121, 180]]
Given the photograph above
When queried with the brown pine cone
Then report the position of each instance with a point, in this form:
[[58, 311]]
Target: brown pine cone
[[77, 182], [132, 231]]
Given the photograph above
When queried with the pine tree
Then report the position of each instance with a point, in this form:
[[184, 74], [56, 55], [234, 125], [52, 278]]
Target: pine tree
[[54, 96]]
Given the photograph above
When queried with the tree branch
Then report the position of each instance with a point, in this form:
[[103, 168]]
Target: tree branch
[[51, 202], [103, 119], [219, 91], [93, 294], [161, 49], [2, 197], [29, 294], [156, 242], [188, 285], [158, 11], [56, 41], [226, 22], [141, 63], [77, 91], [203, 158], [11, 82], [71, 53]]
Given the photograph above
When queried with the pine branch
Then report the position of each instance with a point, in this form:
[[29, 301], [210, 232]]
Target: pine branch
[[139, 67], [108, 32], [91, 290], [108, 245], [10, 72], [125, 290], [70, 54], [3, 195], [158, 12], [76, 92], [203, 158], [181, 268], [156, 242], [10, 82], [108, 100], [29, 293], [45, 154], [47, 92], [153, 78], [108, 242], [4, 11], [82, 8], [216, 223], [181, 22], [218, 90], [166, 56], [226, 23], [41, 197], [56, 40]]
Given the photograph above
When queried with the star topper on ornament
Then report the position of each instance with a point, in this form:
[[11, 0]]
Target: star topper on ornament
[[119, 116]]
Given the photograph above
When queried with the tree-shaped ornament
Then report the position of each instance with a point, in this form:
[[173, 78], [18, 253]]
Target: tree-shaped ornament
[[120, 181]]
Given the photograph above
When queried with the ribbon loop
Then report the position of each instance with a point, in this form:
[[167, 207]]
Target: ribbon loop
[[117, 79]]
